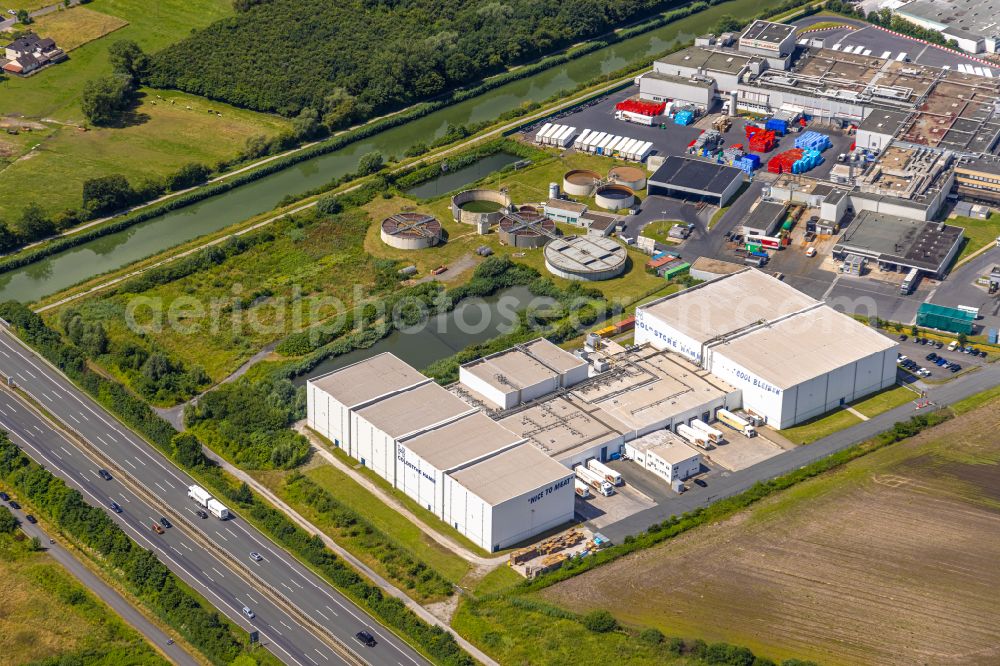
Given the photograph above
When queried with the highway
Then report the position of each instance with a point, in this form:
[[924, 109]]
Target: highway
[[211, 555]]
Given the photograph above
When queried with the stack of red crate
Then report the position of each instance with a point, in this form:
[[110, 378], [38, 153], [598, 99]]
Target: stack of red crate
[[782, 162], [761, 140], [641, 107]]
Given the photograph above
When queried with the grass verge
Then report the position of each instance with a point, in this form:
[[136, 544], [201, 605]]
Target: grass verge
[[820, 427]]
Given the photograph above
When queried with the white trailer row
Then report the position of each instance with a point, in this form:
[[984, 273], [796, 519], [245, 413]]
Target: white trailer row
[[594, 480], [692, 436], [613, 145], [610, 475], [552, 134]]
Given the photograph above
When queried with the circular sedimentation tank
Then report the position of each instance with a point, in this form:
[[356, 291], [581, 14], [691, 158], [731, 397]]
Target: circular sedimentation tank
[[479, 206], [580, 182], [526, 228], [631, 177], [411, 231], [588, 258], [614, 197]]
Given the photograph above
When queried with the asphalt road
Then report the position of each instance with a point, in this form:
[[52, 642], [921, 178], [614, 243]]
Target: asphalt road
[[732, 483], [216, 577], [107, 594]]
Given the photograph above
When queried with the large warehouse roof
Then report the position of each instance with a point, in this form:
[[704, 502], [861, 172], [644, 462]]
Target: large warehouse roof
[[469, 438], [727, 304], [562, 425], [804, 346], [366, 380], [414, 410], [523, 469], [523, 365], [695, 175]]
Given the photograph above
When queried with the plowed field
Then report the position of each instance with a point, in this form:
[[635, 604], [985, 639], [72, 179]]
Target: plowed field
[[892, 560]]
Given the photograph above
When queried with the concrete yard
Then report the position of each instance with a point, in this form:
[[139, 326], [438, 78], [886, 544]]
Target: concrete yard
[[739, 452], [599, 511]]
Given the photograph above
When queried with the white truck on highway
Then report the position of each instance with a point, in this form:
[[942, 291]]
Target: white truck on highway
[[738, 424], [714, 436], [206, 501], [610, 475], [594, 480]]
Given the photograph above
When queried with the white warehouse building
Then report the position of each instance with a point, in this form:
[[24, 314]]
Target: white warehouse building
[[446, 454], [792, 357]]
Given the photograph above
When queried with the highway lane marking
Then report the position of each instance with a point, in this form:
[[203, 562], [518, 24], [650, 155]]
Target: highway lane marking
[[40, 431], [296, 583], [310, 659], [30, 374], [56, 453], [140, 460], [23, 378], [46, 396], [235, 536], [85, 417], [129, 463], [220, 536], [66, 450], [187, 546], [101, 438], [285, 586], [124, 497], [286, 624], [157, 484], [252, 600], [208, 577], [175, 550], [316, 650], [332, 611], [3, 412], [218, 572], [167, 481], [320, 613], [69, 414], [277, 631]]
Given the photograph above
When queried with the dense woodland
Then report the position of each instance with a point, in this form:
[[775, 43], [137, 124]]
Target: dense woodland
[[349, 60]]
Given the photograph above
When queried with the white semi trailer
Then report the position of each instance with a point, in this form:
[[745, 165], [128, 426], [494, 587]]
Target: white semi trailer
[[594, 480], [582, 489], [735, 422], [217, 509], [714, 436], [610, 475], [693, 436]]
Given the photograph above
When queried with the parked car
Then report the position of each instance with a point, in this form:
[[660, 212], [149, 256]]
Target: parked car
[[939, 345], [931, 356], [902, 358], [941, 361], [4, 496], [249, 613], [923, 372], [31, 519], [116, 507], [810, 251], [201, 514], [955, 367], [104, 474], [700, 482], [14, 504], [157, 528], [902, 337], [982, 353], [164, 522], [365, 638]]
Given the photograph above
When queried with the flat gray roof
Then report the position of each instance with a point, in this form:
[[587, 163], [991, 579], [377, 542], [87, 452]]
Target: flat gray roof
[[683, 80], [510, 474], [695, 175], [730, 62], [366, 380], [804, 346], [766, 31], [668, 446], [977, 17], [899, 240], [727, 304], [466, 439], [523, 365], [413, 410], [766, 215], [883, 122]]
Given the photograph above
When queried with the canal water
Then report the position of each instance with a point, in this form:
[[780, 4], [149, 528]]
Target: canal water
[[116, 250], [473, 321], [452, 180]]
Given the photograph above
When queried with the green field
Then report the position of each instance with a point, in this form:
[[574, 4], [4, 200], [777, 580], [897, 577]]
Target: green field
[[660, 230], [162, 137], [884, 401], [820, 427], [45, 614], [978, 232]]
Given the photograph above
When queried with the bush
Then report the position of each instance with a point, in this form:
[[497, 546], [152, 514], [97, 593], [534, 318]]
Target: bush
[[600, 621], [329, 205], [8, 523], [651, 636]]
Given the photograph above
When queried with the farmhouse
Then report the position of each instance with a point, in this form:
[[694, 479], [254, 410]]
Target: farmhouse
[[29, 53]]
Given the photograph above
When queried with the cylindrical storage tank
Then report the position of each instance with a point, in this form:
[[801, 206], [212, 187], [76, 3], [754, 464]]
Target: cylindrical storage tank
[[410, 231], [630, 177], [526, 228], [553, 190], [614, 197], [580, 182], [588, 258], [476, 206]]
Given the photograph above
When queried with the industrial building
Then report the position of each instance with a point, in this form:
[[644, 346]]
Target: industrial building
[[665, 454], [564, 210], [765, 219], [971, 23], [878, 129], [791, 356], [589, 257], [441, 451], [901, 244], [692, 179], [774, 40], [978, 179]]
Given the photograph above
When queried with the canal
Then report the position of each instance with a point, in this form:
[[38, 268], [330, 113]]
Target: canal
[[473, 321], [116, 250]]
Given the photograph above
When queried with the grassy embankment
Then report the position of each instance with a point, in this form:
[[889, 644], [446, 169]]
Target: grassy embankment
[[47, 614], [838, 419], [885, 536], [166, 130], [978, 233]]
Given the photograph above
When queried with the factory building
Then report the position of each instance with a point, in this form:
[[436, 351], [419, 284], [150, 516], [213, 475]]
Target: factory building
[[978, 179], [971, 23], [441, 451], [665, 454], [687, 178], [900, 244], [791, 356], [773, 40], [765, 219], [877, 130]]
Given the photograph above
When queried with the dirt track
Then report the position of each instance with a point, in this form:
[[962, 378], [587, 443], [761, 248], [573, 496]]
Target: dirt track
[[892, 561]]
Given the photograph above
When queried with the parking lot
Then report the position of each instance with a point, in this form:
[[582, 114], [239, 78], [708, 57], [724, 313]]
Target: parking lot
[[918, 353]]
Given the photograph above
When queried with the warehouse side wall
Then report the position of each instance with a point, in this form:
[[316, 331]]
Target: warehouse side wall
[[374, 448], [468, 514], [523, 517], [420, 480]]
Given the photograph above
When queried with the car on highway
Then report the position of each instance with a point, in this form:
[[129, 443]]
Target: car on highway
[[164, 522], [14, 504], [115, 507], [201, 514], [104, 474], [365, 638], [31, 519], [157, 528], [256, 557], [4, 496], [249, 613]]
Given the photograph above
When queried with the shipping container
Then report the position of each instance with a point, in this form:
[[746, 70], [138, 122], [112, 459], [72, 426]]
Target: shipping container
[[542, 132]]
